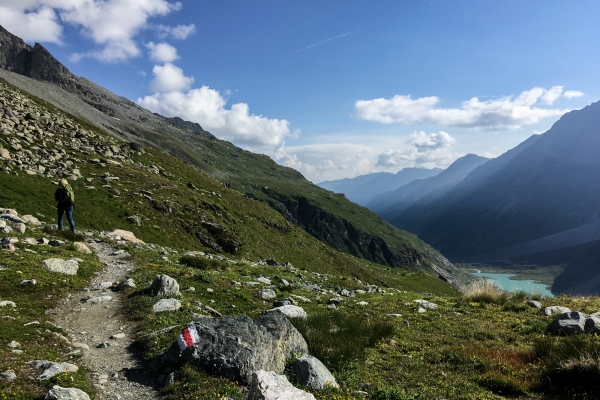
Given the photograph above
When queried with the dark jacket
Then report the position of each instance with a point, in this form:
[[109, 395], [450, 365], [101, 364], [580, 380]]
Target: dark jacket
[[62, 197]]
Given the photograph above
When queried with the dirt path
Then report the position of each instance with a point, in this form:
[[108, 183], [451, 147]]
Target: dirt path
[[118, 375]]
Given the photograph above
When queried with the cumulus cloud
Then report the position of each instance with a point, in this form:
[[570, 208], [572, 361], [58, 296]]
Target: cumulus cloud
[[570, 94], [162, 52], [423, 150], [169, 78], [112, 24], [504, 113], [207, 107], [38, 24], [180, 32]]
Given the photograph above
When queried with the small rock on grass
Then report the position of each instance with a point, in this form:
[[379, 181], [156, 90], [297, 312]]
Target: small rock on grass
[[118, 336], [165, 305], [8, 376], [61, 266], [290, 311], [50, 369], [267, 294], [82, 248], [5, 303], [534, 304], [100, 299], [312, 373], [555, 310], [267, 385], [61, 393]]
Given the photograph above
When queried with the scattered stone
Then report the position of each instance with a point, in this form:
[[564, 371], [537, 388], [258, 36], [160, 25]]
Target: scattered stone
[[135, 219], [10, 240], [264, 280], [335, 301], [104, 345], [100, 299], [118, 336], [213, 311], [83, 346], [170, 380], [61, 393], [267, 294], [31, 220], [128, 283], [14, 345], [555, 310], [267, 385], [363, 303], [50, 369], [164, 285], [124, 235], [426, 304], [312, 373], [331, 307], [82, 248], [166, 305], [55, 243], [43, 241], [5, 303], [31, 282], [236, 346], [30, 241], [281, 303], [290, 311], [8, 247], [346, 293], [534, 304], [568, 323], [209, 291], [421, 310], [8, 376], [102, 286], [19, 227]]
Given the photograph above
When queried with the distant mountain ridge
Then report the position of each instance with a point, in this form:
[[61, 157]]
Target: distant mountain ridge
[[362, 189], [389, 204]]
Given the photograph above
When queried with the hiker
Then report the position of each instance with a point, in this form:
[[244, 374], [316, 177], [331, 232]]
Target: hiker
[[65, 198]]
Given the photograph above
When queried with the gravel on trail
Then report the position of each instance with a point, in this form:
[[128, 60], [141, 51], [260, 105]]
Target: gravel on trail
[[117, 371]]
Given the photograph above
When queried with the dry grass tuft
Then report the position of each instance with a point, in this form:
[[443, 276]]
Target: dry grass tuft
[[483, 291]]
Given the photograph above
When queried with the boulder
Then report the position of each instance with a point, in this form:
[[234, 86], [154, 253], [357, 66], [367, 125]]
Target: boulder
[[31, 220], [166, 305], [82, 248], [61, 266], [555, 310], [290, 311], [312, 373], [8, 376], [61, 393], [568, 323], [267, 294], [128, 283], [267, 385], [50, 369], [124, 235], [426, 304], [164, 285], [236, 346], [534, 304], [592, 324]]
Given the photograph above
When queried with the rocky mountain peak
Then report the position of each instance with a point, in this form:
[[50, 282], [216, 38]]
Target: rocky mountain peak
[[35, 62]]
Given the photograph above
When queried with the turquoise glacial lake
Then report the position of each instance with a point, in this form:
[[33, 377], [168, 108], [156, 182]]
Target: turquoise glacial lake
[[514, 285]]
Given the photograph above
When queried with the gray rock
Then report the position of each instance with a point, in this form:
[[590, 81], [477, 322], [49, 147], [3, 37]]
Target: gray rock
[[555, 310], [99, 299], [267, 294], [118, 336], [164, 285], [102, 286], [170, 380], [264, 280], [592, 324], [236, 346], [61, 393], [267, 385], [31, 220], [61, 266], [426, 304], [568, 323], [166, 305], [135, 219], [19, 227], [346, 293], [8, 376], [362, 303], [534, 304], [55, 243], [5, 303], [30, 282], [281, 303], [290, 311], [312, 373], [129, 283], [335, 301], [82, 248], [50, 369]]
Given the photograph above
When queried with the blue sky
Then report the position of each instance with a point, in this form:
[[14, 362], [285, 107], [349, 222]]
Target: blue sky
[[337, 88]]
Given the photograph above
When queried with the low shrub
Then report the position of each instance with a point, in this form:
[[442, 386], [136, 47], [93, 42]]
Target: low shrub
[[202, 263]]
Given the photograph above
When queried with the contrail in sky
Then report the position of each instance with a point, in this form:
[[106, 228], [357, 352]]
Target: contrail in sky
[[331, 38]]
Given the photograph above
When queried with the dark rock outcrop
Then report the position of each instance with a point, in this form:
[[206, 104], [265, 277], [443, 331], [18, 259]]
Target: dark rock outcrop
[[236, 346]]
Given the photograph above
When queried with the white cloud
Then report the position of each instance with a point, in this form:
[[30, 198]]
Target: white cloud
[[570, 94], [552, 94], [169, 78], [503, 113], [162, 52], [180, 32], [206, 106], [34, 25], [112, 24], [433, 150]]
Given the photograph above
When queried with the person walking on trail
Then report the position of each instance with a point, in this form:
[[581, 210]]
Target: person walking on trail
[[65, 198]]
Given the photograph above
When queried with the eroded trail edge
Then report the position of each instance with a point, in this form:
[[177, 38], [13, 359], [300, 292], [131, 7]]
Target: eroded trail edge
[[96, 324]]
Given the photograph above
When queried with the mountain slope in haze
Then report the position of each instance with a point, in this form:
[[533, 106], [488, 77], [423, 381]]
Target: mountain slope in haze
[[391, 203], [544, 195], [362, 189], [328, 217]]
